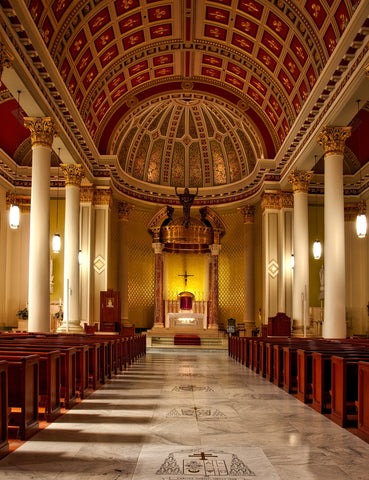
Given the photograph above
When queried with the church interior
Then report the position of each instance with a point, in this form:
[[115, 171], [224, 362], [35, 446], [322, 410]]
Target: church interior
[[184, 180]]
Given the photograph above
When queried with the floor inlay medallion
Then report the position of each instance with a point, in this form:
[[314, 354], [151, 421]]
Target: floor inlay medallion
[[203, 463], [197, 412]]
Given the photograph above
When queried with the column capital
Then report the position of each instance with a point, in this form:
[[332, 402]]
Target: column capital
[[124, 209], [87, 193], [157, 247], [43, 130], [6, 59], [333, 139], [73, 173], [247, 213], [300, 180], [215, 249], [103, 196], [276, 200]]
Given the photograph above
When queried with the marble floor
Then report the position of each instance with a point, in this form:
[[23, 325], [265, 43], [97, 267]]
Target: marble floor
[[189, 415]]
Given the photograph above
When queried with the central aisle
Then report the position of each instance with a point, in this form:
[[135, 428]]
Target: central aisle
[[189, 415]]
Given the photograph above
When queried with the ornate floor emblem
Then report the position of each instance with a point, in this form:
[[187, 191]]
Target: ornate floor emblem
[[206, 464], [197, 412], [191, 388]]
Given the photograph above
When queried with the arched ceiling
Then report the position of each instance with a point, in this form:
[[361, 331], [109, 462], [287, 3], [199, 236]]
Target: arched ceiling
[[154, 82]]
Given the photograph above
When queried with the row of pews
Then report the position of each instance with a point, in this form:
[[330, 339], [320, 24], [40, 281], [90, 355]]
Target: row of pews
[[330, 374], [41, 373]]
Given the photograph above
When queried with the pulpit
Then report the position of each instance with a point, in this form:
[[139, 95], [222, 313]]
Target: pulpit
[[109, 311]]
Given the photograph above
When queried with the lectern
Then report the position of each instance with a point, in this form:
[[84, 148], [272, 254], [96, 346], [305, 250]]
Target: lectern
[[109, 311]]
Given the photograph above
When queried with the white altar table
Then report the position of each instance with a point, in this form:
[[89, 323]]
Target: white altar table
[[186, 319]]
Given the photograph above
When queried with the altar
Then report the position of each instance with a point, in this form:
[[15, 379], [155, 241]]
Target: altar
[[186, 320]]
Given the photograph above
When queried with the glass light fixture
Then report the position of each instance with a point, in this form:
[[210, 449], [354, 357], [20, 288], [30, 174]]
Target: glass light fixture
[[14, 216], [361, 217], [56, 236], [317, 249], [292, 261], [80, 258], [14, 213]]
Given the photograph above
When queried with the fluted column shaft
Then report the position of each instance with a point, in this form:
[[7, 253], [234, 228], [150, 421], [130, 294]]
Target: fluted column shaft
[[249, 280], [42, 134], [300, 297], [124, 210], [158, 296], [213, 286], [333, 141], [71, 318]]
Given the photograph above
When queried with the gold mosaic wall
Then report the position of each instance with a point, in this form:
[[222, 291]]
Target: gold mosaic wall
[[231, 270], [141, 268], [196, 265]]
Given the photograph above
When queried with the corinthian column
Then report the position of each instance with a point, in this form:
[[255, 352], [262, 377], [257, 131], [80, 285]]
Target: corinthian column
[[73, 176], [158, 294], [248, 220], [300, 301], [333, 141], [124, 209], [43, 131]]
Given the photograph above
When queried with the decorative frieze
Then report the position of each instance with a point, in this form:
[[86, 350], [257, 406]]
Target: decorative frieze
[[23, 202], [103, 196], [6, 59], [43, 130], [300, 180], [276, 200], [248, 214], [73, 173], [87, 193], [333, 139], [352, 210], [124, 209]]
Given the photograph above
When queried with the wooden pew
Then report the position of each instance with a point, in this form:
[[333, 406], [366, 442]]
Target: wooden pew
[[49, 378], [363, 398], [4, 445], [23, 375], [345, 389]]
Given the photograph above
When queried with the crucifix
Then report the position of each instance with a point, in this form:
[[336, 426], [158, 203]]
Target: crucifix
[[186, 275]]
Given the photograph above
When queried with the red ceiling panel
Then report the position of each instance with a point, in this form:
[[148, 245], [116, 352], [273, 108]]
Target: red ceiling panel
[[210, 72], [102, 111], [142, 78], [78, 44], [99, 21], [275, 105], [258, 85], [109, 55], [242, 42], [59, 7], [124, 6], [330, 39], [84, 62], [255, 95], [286, 82], [342, 16], [246, 26], [303, 90], [234, 81], [163, 59], [317, 12], [131, 22], [223, 2], [118, 93], [47, 31], [271, 115], [135, 69], [91, 75], [266, 59], [311, 77], [104, 39], [236, 70], [271, 44], [276, 24], [299, 50], [290, 64], [251, 7], [161, 30], [35, 9], [78, 99], [215, 32], [296, 104], [72, 85], [217, 15], [116, 81], [163, 71], [210, 60], [159, 13], [134, 39], [98, 102], [65, 69]]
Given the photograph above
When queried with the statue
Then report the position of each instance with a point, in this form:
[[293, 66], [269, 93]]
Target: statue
[[186, 199]]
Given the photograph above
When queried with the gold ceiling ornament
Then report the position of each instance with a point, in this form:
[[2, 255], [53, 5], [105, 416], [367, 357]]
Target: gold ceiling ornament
[[73, 173], [333, 139], [6, 59], [124, 209], [43, 130], [87, 193], [300, 180], [248, 214], [103, 196]]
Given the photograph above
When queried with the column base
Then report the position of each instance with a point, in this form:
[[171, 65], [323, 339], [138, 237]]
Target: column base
[[213, 327], [64, 328]]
